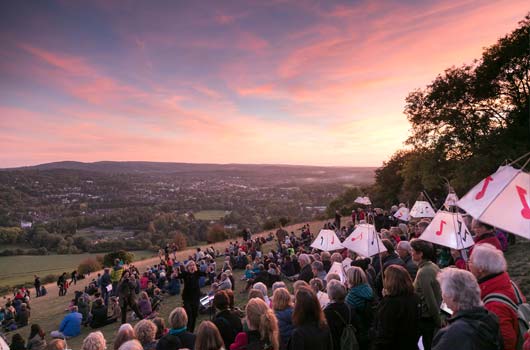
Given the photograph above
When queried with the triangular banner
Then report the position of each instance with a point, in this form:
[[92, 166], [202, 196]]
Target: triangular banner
[[327, 241], [449, 230], [402, 214], [501, 200], [338, 269], [422, 209], [450, 200], [363, 201], [364, 241]]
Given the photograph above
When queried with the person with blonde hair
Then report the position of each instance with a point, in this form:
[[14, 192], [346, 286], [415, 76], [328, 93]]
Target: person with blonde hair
[[360, 295], [178, 336], [282, 304], [94, 341], [262, 327], [208, 337], [125, 333], [146, 334]]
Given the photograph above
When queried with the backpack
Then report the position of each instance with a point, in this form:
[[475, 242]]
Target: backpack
[[348, 339], [521, 309]]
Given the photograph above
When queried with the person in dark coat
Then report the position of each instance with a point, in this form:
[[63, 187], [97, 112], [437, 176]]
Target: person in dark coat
[[177, 337], [397, 317], [339, 314], [192, 292], [404, 250], [17, 342], [471, 325], [311, 331], [99, 315], [127, 296], [227, 321], [105, 281], [306, 273], [388, 258]]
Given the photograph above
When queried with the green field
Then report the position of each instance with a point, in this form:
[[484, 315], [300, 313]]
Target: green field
[[19, 269], [210, 215]]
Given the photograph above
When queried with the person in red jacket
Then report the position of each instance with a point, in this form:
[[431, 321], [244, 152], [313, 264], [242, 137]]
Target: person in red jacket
[[484, 233], [489, 266]]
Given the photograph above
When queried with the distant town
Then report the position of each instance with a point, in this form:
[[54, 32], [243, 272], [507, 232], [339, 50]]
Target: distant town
[[74, 207]]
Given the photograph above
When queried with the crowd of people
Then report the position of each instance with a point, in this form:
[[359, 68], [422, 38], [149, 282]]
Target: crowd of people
[[412, 295]]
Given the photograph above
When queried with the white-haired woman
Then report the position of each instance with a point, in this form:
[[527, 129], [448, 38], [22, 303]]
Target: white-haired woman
[[488, 265], [94, 341], [471, 325]]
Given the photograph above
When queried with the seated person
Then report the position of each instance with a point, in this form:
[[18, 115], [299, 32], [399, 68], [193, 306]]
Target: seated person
[[144, 304], [100, 317], [70, 325], [22, 316]]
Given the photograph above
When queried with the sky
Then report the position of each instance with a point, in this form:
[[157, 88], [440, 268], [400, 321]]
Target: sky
[[277, 82]]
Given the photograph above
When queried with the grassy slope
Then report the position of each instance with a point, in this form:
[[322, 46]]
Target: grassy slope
[[48, 311], [19, 269]]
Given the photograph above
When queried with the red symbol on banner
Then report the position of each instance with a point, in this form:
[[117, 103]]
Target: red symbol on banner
[[358, 237], [525, 212], [439, 232], [484, 187], [333, 239]]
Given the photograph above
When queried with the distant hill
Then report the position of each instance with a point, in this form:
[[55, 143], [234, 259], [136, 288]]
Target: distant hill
[[161, 167]]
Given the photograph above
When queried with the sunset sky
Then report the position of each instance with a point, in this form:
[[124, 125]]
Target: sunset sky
[[298, 82]]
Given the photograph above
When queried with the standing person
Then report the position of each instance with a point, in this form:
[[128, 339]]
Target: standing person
[[396, 320], [127, 291], [37, 285], [488, 265], [339, 315], [105, 282], [471, 325], [428, 289], [337, 220], [192, 292], [311, 331], [115, 275], [484, 233], [61, 283], [73, 276], [145, 331]]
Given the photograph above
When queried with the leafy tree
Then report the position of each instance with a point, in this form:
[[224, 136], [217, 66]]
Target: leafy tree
[[465, 124]]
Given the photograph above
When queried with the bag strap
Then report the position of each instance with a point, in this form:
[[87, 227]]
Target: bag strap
[[518, 293], [502, 299]]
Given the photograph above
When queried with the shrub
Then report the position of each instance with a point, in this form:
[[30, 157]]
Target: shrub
[[180, 240], [49, 278], [216, 233], [88, 265], [126, 257]]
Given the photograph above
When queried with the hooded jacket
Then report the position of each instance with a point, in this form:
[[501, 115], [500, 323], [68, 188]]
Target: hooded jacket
[[475, 329]]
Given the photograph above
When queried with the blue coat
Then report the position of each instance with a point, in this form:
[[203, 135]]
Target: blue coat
[[71, 324]]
